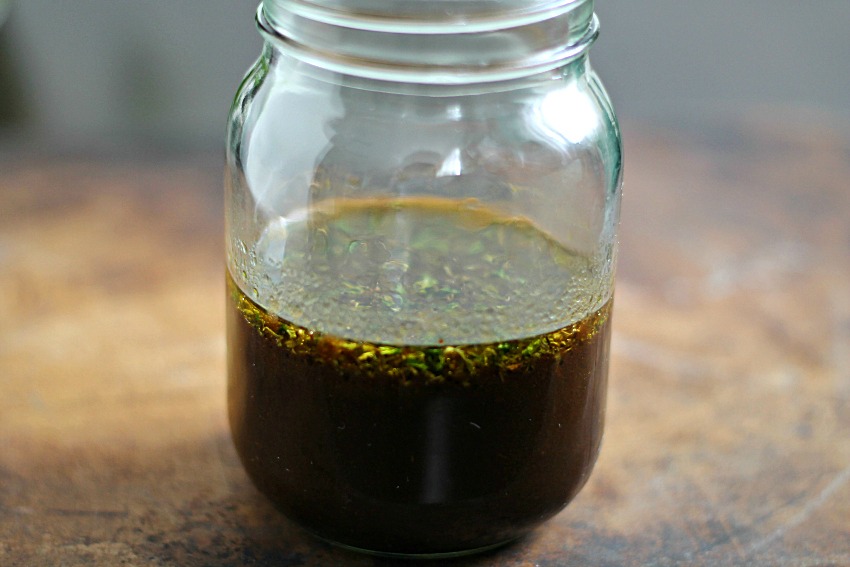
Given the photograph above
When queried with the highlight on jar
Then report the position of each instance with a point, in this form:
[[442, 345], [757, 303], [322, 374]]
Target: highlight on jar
[[422, 204]]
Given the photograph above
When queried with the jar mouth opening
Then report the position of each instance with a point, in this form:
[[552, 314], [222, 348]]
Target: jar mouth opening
[[450, 49], [424, 16]]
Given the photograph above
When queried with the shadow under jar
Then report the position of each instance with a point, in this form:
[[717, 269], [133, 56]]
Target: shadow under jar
[[421, 215]]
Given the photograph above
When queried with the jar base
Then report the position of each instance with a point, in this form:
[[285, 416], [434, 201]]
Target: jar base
[[420, 556]]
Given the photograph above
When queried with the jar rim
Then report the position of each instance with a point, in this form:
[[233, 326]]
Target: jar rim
[[429, 21], [394, 49]]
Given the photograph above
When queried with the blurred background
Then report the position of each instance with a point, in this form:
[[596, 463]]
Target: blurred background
[[107, 76]]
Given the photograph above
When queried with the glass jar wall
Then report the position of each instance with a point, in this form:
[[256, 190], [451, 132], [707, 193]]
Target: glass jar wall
[[421, 215]]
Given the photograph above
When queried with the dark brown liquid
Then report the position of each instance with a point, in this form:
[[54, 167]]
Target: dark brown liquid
[[402, 465], [416, 442]]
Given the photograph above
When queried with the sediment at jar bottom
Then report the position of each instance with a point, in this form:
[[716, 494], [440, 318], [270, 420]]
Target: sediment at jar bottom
[[415, 449]]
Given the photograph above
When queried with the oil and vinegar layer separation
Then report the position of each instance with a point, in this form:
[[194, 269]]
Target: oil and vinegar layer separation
[[417, 376]]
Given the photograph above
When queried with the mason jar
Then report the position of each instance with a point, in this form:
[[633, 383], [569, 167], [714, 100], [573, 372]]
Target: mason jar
[[422, 202]]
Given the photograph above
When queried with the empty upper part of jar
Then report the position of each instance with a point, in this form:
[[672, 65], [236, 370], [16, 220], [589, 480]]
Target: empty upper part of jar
[[396, 141]]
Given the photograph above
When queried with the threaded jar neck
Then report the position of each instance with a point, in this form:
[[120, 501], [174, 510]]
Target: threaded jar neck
[[433, 41]]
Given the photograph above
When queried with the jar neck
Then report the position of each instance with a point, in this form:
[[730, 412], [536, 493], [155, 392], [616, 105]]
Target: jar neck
[[434, 41]]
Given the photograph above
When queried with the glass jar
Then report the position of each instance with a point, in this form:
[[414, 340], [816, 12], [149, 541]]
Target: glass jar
[[421, 214]]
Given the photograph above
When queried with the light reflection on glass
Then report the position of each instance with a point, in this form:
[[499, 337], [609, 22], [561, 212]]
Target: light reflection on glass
[[566, 115]]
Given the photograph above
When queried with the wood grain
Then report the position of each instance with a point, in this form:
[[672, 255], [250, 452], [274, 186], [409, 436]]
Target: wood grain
[[728, 436]]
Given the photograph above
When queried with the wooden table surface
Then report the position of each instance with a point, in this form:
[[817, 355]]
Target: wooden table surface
[[728, 435]]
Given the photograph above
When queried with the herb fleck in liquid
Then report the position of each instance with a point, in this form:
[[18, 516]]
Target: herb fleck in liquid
[[422, 376]]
